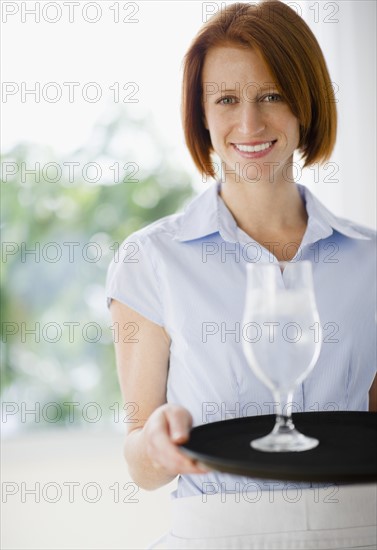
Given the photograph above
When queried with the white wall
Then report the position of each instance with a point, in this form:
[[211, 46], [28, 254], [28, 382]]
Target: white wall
[[349, 46]]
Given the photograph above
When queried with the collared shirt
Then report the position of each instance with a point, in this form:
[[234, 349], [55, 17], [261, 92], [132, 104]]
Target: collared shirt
[[187, 272]]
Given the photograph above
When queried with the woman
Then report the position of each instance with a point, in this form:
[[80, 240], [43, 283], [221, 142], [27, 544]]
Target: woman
[[255, 90]]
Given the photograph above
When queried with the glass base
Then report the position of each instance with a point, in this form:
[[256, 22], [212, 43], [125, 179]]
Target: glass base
[[290, 441]]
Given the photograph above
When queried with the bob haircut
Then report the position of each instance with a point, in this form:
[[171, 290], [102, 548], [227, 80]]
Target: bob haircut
[[295, 60]]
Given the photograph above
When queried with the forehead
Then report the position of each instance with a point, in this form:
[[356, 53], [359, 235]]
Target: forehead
[[235, 64]]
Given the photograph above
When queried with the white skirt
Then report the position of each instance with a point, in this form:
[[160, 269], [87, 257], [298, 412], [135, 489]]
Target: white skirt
[[336, 517]]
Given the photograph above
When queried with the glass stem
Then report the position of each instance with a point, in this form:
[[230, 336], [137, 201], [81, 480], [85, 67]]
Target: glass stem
[[284, 422]]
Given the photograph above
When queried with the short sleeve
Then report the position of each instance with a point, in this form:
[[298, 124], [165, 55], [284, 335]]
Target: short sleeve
[[132, 280]]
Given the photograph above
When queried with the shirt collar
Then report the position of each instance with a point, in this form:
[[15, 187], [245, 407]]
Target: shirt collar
[[207, 214], [201, 216], [322, 222]]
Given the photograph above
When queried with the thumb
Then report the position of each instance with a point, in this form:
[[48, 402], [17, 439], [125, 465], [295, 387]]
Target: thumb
[[180, 422]]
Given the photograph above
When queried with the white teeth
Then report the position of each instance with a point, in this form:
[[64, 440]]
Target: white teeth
[[254, 148]]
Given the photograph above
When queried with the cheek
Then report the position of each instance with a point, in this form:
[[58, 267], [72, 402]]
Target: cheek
[[296, 132], [293, 128], [224, 123], [216, 127], [290, 128], [285, 122]]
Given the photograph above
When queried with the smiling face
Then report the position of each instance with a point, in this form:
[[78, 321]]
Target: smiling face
[[252, 128]]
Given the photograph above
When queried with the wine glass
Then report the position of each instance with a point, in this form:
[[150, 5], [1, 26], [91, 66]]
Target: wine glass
[[282, 341]]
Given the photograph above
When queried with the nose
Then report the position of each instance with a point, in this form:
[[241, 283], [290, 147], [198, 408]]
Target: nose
[[251, 121]]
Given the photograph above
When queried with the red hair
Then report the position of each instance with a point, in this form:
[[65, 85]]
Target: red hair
[[295, 60]]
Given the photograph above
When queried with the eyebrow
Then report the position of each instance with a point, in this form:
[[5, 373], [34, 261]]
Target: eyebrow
[[265, 87]]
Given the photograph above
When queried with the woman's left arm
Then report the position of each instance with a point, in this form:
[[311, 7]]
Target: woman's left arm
[[373, 396]]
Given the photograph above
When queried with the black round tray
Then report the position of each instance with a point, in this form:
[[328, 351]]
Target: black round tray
[[347, 450]]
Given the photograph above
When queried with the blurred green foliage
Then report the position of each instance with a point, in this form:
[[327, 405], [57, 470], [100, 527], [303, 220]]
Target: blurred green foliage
[[74, 226]]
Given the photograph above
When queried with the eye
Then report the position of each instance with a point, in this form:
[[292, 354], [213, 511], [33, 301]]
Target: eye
[[226, 100], [272, 98]]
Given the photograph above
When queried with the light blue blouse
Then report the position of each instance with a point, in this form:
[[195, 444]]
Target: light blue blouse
[[187, 272]]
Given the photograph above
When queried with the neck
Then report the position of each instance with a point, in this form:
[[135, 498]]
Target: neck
[[265, 208]]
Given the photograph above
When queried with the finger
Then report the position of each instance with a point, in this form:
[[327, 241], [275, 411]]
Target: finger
[[203, 467], [180, 423], [168, 455], [199, 466]]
